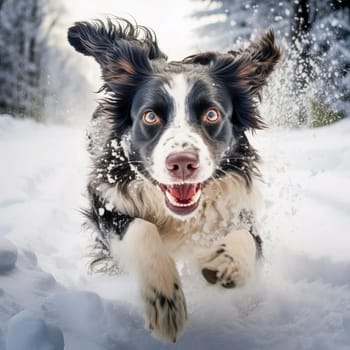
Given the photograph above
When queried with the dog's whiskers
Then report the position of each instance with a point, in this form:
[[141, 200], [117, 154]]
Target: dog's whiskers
[[131, 162], [238, 158], [215, 181], [240, 169]]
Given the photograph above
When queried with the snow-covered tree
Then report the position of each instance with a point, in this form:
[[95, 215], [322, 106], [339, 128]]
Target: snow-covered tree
[[316, 37], [39, 77], [24, 30]]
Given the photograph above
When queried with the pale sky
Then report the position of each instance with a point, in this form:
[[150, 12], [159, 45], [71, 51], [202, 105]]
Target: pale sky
[[169, 19]]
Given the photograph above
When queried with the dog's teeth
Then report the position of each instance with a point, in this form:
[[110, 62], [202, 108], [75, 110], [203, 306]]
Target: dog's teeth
[[195, 198], [173, 200]]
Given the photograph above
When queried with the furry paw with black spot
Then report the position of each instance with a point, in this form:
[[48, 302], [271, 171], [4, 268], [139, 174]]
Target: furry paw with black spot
[[227, 265], [165, 313]]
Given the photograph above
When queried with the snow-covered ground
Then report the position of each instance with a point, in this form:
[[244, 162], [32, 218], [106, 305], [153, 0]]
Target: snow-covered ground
[[47, 298]]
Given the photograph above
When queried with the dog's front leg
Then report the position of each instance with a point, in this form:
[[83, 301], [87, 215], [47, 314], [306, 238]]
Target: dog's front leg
[[142, 250], [232, 259]]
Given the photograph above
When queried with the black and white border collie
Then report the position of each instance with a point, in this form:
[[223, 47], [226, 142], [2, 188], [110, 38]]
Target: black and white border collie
[[173, 170]]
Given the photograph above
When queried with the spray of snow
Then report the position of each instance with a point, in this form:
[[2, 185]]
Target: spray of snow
[[300, 301]]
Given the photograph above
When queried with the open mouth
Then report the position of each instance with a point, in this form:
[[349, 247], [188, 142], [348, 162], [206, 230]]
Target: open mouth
[[183, 198]]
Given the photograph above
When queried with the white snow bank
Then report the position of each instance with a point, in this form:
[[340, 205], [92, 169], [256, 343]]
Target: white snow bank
[[28, 332], [300, 301]]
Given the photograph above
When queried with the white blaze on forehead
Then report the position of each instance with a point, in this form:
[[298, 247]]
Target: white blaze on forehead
[[178, 90], [180, 135]]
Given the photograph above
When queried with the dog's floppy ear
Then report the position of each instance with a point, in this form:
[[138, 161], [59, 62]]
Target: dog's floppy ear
[[257, 62], [247, 68], [113, 40], [243, 73], [124, 52]]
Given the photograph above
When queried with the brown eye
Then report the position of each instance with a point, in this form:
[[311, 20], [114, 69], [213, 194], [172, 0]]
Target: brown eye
[[212, 116], [150, 118]]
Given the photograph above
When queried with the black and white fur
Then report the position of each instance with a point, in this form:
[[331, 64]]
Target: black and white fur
[[171, 160]]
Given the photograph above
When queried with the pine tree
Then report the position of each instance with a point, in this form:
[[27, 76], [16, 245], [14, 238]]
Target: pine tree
[[24, 31]]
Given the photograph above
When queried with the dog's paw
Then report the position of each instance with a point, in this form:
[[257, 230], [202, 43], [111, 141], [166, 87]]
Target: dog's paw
[[225, 267], [165, 313]]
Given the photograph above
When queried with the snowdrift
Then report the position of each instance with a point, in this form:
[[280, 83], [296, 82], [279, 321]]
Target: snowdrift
[[301, 299]]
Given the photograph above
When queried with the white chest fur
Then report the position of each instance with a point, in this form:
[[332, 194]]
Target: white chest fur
[[218, 213]]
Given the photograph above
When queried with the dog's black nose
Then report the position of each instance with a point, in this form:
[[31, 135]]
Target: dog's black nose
[[182, 165]]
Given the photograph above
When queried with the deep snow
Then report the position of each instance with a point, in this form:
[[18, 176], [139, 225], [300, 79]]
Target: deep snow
[[300, 301]]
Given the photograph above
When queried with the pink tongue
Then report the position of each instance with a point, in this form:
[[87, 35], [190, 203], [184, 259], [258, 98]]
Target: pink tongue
[[183, 193]]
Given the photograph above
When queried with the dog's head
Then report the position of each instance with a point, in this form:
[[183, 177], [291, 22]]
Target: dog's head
[[183, 120]]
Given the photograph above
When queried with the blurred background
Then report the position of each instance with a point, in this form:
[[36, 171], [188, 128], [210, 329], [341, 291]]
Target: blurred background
[[47, 97], [42, 78]]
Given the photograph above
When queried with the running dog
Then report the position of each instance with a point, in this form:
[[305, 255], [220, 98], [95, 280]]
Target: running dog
[[171, 161]]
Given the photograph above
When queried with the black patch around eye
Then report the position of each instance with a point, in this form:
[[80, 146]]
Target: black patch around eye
[[146, 132], [152, 96], [200, 106], [220, 131], [206, 94]]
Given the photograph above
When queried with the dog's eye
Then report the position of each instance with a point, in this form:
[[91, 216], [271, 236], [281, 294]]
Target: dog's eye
[[211, 116], [150, 118]]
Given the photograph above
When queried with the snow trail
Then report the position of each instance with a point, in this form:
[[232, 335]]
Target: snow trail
[[300, 301]]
